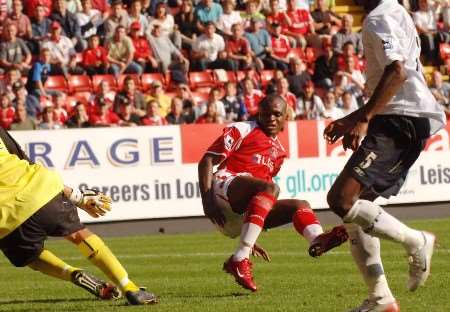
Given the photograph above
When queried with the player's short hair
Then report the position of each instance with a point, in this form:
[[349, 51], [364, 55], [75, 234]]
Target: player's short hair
[[269, 99]]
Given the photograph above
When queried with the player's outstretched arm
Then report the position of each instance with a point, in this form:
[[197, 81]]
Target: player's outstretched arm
[[205, 178], [353, 127], [95, 203]]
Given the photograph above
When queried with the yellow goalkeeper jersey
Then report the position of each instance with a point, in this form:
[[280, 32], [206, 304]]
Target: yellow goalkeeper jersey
[[24, 187]]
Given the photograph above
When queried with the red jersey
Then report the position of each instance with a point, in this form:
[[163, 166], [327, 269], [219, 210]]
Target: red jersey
[[239, 47], [278, 18], [93, 56], [141, 48], [109, 118], [7, 117], [300, 19], [154, 121], [252, 101], [60, 115], [290, 99], [281, 46], [246, 148], [29, 7], [342, 62]]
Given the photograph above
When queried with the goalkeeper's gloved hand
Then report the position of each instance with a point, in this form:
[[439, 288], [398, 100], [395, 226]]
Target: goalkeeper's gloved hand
[[95, 203]]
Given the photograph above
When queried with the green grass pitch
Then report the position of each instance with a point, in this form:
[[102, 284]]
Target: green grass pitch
[[186, 272]]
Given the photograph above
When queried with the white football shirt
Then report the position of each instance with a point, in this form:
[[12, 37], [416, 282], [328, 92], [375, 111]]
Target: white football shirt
[[389, 35]]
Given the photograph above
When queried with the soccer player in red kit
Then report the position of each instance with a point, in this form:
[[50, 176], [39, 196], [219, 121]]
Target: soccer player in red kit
[[241, 198]]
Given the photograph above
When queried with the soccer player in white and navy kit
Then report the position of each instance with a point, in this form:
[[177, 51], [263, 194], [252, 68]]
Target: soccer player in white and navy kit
[[241, 198], [397, 120]]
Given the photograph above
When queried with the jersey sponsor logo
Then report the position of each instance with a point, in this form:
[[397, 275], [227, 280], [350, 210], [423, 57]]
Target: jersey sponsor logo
[[228, 142], [387, 44]]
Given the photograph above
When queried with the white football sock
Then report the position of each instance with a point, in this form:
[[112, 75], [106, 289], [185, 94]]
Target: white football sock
[[377, 222], [249, 235], [312, 231], [365, 250]]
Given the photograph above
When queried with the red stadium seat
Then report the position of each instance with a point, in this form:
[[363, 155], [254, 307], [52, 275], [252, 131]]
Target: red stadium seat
[[266, 77], [201, 79], [83, 96], [240, 75], [296, 53], [97, 79], [135, 77], [147, 79], [56, 83], [80, 83], [200, 97]]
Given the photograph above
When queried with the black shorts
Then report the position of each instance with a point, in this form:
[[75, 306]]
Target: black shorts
[[59, 217], [392, 145]]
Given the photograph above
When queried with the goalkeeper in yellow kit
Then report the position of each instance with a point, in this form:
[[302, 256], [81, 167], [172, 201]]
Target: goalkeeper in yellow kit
[[34, 204]]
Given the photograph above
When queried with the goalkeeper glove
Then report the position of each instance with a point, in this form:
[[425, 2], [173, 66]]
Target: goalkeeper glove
[[95, 203]]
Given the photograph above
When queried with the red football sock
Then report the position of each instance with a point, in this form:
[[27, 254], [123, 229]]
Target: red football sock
[[259, 208], [303, 217]]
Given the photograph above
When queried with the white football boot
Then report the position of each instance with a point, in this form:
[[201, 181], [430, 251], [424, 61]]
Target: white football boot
[[369, 305], [420, 262]]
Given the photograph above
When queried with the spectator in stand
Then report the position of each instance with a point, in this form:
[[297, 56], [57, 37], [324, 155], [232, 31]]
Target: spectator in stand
[[300, 26], [214, 96], [325, 67], [167, 54], [143, 54], [79, 118], [331, 110], [234, 105], [283, 91], [175, 116], [153, 117], [310, 105], [207, 11], [95, 57], [252, 97], [238, 49], [69, 23], [189, 105], [38, 74], [103, 95], [130, 96], [280, 47], [346, 34], [440, 90], [21, 97], [351, 80], [48, 122], [260, 44], [121, 54], [185, 22], [157, 93], [117, 17], [102, 6], [22, 121], [31, 5], [128, 116], [325, 21], [7, 111], [228, 18], [135, 15], [297, 76], [267, 7], [63, 56], [208, 50], [251, 11], [166, 24], [276, 15], [348, 105], [59, 112], [348, 50], [272, 85], [6, 84], [426, 19], [14, 53], [89, 20], [40, 29], [22, 22], [104, 116], [211, 115]]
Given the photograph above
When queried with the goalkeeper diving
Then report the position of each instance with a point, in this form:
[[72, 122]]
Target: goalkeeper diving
[[34, 204]]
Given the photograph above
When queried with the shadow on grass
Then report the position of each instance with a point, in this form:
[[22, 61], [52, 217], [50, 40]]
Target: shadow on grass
[[55, 300]]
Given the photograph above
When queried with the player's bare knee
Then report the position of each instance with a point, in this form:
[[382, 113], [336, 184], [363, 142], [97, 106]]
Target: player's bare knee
[[78, 236], [339, 203], [271, 188]]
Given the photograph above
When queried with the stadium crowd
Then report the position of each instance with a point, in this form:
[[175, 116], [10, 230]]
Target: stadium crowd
[[90, 63]]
